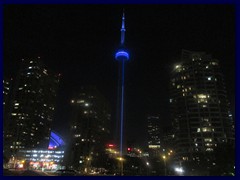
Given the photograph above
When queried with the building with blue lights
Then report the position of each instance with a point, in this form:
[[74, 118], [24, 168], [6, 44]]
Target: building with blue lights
[[56, 141], [38, 158]]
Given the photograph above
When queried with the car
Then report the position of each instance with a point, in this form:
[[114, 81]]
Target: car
[[66, 172]]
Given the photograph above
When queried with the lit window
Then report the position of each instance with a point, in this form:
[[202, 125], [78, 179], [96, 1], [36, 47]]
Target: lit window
[[205, 119], [80, 101], [208, 140], [16, 104], [178, 86], [214, 63], [206, 129], [202, 98], [14, 114], [45, 71], [178, 68], [209, 149]]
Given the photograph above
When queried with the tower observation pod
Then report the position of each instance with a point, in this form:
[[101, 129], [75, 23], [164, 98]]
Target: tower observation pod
[[122, 54]]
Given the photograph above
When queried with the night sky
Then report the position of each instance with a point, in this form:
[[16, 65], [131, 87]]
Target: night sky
[[79, 41]]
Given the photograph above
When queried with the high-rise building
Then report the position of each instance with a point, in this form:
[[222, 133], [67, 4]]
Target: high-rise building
[[154, 130], [200, 108], [7, 90], [33, 105], [90, 127], [153, 126]]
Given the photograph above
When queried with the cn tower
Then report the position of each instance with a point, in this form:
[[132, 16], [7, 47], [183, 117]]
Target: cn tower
[[122, 56]]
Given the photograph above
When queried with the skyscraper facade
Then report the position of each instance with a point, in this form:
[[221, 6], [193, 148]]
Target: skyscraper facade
[[153, 131], [90, 127], [200, 108], [33, 106], [153, 128], [7, 90]]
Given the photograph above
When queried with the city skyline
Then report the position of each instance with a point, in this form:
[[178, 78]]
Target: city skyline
[[80, 41]]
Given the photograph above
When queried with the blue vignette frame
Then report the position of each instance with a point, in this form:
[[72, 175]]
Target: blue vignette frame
[[236, 3]]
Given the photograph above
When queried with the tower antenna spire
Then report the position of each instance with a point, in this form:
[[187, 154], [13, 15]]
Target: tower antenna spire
[[123, 29]]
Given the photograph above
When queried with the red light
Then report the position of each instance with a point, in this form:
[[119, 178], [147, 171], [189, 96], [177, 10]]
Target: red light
[[129, 149], [110, 145], [50, 147]]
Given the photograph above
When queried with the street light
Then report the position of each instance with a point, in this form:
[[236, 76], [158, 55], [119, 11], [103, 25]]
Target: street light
[[165, 168], [120, 159], [147, 163]]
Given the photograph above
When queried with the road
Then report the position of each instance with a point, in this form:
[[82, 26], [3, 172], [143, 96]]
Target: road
[[13, 172]]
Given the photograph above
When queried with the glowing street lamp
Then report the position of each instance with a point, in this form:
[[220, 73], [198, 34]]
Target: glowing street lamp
[[120, 159], [165, 167]]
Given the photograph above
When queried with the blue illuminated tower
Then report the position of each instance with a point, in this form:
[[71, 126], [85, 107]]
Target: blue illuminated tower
[[122, 56]]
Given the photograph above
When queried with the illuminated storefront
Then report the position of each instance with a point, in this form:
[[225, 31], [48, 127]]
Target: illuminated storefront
[[44, 159], [41, 159]]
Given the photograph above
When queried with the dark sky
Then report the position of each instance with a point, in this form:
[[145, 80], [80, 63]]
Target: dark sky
[[79, 41]]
